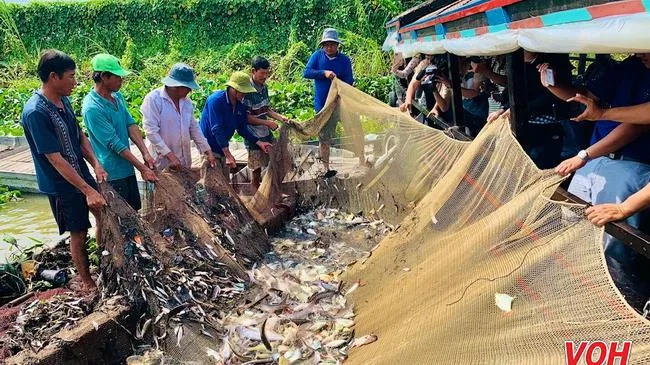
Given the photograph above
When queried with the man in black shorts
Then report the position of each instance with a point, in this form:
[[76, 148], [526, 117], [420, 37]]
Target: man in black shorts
[[58, 148]]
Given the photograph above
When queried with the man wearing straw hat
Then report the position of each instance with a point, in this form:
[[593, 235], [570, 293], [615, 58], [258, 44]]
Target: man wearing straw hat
[[223, 114], [110, 126], [324, 65], [169, 123]]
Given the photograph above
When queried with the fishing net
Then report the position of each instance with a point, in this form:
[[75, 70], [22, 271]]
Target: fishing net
[[184, 262], [481, 265], [484, 267]]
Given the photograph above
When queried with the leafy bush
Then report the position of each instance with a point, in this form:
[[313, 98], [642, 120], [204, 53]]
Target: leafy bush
[[7, 195]]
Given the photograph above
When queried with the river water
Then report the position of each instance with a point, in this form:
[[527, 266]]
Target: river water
[[29, 221]]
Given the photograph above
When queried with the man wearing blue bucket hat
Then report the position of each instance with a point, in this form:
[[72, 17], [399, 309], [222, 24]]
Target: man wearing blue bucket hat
[[325, 65], [169, 123], [110, 126]]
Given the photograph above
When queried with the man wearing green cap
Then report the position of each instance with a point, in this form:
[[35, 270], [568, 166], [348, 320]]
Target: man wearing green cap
[[223, 114], [110, 126]]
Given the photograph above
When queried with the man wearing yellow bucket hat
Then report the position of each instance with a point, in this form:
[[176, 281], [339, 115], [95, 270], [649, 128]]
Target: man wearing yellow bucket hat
[[223, 114]]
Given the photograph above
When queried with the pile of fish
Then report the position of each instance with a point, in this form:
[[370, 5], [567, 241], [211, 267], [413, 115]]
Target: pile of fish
[[299, 312], [39, 320]]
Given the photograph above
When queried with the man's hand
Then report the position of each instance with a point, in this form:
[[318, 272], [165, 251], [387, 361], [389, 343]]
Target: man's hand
[[94, 199], [149, 161], [330, 75], [434, 113], [542, 74], [570, 165], [496, 114], [593, 111], [265, 146], [148, 175], [100, 173], [406, 106], [444, 80], [212, 161], [230, 161], [604, 213], [174, 162], [272, 125]]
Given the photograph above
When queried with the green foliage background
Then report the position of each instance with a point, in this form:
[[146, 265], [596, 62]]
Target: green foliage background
[[214, 36]]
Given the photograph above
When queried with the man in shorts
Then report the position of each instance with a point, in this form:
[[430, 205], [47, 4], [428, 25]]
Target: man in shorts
[[59, 148]]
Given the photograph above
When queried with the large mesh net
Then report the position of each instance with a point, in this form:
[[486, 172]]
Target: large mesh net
[[483, 266], [477, 224]]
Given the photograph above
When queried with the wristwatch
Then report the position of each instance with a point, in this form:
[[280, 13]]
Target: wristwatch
[[584, 155]]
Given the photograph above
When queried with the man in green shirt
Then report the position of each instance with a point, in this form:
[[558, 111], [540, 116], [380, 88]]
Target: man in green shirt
[[110, 126]]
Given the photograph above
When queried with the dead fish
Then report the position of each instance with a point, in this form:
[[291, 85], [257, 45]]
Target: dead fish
[[206, 333], [213, 354], [226, 351], [344, 322], [334, 344], [354, 287], [322, 295], [179, 335], [229, 238], [378, 196], [265, 340], [140, 331], [362, 341]]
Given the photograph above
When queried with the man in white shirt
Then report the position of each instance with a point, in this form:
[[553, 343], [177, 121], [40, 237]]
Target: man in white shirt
[[169, 123]]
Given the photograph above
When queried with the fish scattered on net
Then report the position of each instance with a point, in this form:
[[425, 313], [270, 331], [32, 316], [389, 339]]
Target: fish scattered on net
[[297, 308], [38, 321]]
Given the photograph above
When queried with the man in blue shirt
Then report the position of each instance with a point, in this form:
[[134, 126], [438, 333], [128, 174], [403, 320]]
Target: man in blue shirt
[[110, 126], [323, 66], [223, 114], [59, 148]]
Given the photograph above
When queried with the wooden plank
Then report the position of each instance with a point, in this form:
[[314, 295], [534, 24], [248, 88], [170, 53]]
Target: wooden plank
[[18, 171], [627, 234]]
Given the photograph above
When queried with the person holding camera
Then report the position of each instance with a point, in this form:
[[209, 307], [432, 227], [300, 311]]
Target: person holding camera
[[437, 95]]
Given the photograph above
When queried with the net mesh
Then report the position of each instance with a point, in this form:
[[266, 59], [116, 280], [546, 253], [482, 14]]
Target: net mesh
[[475, 222]]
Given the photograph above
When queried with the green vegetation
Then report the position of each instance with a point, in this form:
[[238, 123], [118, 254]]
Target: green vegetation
[[8, 195], [216, 37]]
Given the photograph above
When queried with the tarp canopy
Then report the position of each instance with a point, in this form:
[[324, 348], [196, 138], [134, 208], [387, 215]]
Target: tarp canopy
[[627, 34], [612, 27]]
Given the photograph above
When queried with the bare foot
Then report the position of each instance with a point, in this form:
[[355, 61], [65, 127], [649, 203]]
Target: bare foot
[[80, 286]]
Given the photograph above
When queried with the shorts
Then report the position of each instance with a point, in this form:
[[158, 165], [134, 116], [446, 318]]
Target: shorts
[[128, 190], [328, 132], [70, 212]]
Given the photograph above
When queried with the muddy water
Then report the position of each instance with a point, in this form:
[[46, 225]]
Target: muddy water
[[29, 221]]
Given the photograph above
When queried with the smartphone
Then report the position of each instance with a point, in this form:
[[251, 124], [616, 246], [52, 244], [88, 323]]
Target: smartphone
[[550, 77]]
